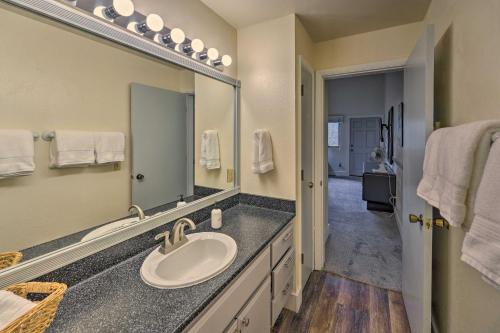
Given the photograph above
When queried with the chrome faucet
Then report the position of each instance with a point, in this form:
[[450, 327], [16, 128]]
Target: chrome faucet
[[139, 211], [176, 238]]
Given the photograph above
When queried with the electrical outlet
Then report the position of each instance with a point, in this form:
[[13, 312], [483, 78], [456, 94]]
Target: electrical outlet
[[230, 175]]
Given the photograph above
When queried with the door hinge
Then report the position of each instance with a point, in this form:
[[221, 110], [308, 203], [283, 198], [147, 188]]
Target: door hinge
[[301, 90], [302, 258], [302, 175]]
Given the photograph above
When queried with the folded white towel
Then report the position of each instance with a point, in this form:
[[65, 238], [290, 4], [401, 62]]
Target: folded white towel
[[481, 246], [210, 155], [262, 152], [72, 148], [16, 153], [109, 147], [451, 159], [12, 307]]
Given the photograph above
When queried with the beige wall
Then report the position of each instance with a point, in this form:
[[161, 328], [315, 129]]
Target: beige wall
[[467, 81], [266, 68], [381, 45], [214, 110], [75, 82]]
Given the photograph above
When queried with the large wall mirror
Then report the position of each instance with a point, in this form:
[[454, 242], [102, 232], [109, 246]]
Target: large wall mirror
[[179, 129]]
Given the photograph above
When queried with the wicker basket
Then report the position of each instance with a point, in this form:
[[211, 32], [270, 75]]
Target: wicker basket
[[39, 318], [8, 259]]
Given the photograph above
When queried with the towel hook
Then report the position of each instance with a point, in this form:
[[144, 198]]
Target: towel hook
[[48, 135], [36, 136]]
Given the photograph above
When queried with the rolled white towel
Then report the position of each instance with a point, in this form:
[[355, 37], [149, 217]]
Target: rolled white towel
[[12, 307], [16, 153]]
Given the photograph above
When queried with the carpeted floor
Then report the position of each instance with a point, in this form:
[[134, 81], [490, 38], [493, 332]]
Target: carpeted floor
[[363, 245]]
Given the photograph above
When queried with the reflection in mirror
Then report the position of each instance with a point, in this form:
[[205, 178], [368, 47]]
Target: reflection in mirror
[[178, 128]]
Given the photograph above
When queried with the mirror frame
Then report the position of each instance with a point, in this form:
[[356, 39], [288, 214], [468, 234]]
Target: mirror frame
[[84, 21]]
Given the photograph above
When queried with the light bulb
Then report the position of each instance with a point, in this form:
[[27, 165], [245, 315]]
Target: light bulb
[[175, 36], [153, 23], [212, 53], [197, 45], [118, 8], [227, 60]]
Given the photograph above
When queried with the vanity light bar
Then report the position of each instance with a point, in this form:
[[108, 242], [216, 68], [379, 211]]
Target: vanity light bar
[[175, 38]]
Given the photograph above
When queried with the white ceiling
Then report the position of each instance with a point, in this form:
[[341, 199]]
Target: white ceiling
[[324, 19]]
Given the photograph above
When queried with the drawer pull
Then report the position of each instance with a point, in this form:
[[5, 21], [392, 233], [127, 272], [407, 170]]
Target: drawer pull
[[287, 236], [246, 321], [288, 262], [285, 291]]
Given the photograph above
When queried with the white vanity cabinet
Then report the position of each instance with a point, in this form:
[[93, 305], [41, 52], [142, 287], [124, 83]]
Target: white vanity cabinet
[[253, 301]]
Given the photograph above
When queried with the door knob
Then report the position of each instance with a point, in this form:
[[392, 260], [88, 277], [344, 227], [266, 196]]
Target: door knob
[[310, 185], [416, 219], [139, 176]]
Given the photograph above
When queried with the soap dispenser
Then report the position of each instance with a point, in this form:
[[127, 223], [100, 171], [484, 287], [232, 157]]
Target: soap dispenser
[[216, 217], [181, 201]]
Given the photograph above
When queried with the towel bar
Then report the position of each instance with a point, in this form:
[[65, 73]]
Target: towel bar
[[48, 135]]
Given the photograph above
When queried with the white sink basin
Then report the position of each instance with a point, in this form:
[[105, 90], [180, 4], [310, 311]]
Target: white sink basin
[[110, 227], [204, 256]]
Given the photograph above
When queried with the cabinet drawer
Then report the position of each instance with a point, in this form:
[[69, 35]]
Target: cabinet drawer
[[281, 299], [281, 244], [283, 272]]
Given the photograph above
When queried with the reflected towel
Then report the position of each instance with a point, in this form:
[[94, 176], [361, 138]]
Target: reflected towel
[[481, 246], [262, 152], [72, 149], [453, 155], [109, 147], [210, 155], [12, 307], [16, 153]]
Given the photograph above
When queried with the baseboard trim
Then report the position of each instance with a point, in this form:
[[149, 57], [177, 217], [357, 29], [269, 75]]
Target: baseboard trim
[[295, 301]]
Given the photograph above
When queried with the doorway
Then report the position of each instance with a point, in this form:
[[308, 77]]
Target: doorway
[[364, 243]]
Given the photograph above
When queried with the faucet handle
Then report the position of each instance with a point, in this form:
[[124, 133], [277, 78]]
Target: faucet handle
[[161, 235], [166, 244]]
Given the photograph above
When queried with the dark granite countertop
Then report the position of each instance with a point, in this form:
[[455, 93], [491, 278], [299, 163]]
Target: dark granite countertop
[[117, 300]]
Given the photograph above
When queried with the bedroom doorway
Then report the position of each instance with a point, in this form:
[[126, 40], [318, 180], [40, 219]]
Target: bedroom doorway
[[364, 243]]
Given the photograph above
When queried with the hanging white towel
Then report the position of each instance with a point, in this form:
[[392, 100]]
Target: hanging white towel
[[481, 246], [12, 307], [72, 149], [109, 147], [16, 153], [262, 152], [210, 155], [453, 156]]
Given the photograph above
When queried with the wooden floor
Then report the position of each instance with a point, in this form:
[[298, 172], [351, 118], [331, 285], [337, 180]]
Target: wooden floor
[[331, 303]]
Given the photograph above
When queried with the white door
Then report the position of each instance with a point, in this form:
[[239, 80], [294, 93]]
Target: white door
[[416, 238], [307, 156], [159, 145], [364, 137]]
